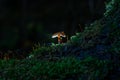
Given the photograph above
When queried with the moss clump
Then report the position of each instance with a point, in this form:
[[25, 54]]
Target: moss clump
[[111, 7], [107, 28], [65, 68]]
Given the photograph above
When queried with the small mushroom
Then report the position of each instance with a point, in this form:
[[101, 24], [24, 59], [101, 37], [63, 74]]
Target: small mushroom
[[59, 35]]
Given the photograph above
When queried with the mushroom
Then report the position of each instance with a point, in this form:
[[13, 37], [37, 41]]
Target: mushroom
[[59, 35]]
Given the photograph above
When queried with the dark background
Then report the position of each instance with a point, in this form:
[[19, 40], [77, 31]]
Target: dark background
[[26, 22]]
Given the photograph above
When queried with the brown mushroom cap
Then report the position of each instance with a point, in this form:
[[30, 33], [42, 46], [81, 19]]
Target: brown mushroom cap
[[62, 34]]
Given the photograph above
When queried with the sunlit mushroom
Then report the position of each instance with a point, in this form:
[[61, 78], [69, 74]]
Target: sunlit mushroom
[[59, 35]]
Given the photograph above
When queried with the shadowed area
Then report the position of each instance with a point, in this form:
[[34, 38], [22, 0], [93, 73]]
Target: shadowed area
[[26, 22]]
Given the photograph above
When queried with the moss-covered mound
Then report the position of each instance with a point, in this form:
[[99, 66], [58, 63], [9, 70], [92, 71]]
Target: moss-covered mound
[[63, 69]]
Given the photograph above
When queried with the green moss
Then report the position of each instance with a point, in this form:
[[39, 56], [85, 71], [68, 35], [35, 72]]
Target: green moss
[[37, 69], [111, 7], [86, 38]]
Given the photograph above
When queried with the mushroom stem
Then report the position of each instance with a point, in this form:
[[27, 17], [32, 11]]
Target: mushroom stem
[[59, 39]]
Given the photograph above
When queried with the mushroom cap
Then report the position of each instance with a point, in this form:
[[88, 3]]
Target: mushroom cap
[[54, 36], [62, 34]]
